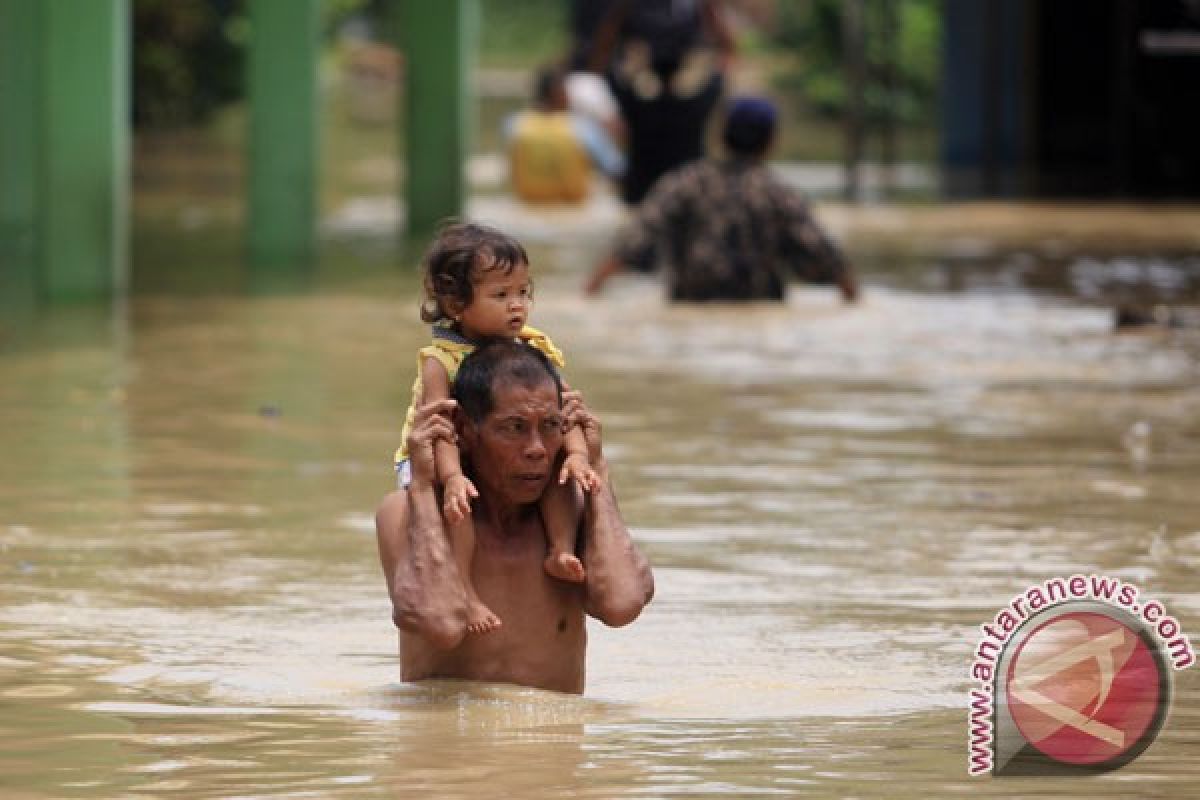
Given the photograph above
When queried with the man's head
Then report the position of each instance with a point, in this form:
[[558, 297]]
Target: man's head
[[550, 88], [750, 126], [511, 422]]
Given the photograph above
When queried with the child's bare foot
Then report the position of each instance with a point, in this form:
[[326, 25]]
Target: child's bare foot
[[480, 618], [564, 566]]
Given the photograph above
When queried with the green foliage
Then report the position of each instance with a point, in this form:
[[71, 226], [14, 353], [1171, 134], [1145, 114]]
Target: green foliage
[[920, 44], [811, 31], [186, 60], [522, 33], [189, 55]]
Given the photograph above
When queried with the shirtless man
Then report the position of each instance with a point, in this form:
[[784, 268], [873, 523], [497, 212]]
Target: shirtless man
[[509, 422]]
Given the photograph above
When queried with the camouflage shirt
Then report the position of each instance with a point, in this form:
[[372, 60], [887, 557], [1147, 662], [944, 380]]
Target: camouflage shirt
[[727, 231]]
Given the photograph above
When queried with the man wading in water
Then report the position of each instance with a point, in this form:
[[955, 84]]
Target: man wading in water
[[509, 417]]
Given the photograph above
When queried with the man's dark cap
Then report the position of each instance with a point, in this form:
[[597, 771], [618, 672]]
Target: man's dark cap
[[749, 125]]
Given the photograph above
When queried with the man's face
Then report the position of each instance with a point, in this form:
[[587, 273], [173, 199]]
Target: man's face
[[514, 448]]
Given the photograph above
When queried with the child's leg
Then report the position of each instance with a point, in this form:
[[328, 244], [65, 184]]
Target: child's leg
[[480, 618], [561, 520]]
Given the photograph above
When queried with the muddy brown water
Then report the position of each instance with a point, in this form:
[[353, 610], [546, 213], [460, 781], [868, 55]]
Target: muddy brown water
[[834, 500]]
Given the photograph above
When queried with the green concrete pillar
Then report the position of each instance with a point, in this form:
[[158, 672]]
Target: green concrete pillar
[[83, 197], [18, 153], [438, 40], [64, 149], [282, 82]]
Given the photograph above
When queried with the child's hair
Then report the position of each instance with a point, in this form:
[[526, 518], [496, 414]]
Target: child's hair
[[460, 251]]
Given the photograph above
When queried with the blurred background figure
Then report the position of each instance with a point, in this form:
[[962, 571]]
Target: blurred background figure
[[585, 18], [552, 150], [665, 63], [588, 94], [726, 230]]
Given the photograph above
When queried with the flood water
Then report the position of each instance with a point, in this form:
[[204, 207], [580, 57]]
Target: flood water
[[833, 499]]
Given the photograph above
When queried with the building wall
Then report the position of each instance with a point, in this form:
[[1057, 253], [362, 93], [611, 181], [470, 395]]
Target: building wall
[[1071, 98]]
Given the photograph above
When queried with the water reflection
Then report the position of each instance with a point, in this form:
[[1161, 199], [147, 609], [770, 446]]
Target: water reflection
[[834, 500]]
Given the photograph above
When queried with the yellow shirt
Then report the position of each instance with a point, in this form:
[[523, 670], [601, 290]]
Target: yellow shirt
[[547, 162], [450, 349]]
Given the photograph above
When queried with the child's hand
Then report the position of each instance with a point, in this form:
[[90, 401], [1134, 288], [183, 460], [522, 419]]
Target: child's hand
[[580, 416], [456, 498], [431, 425], [576, 466]]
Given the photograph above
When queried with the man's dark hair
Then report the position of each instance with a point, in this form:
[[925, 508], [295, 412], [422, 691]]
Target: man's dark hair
[[458, 254], [549, 84], [500, 362], [749, 126]]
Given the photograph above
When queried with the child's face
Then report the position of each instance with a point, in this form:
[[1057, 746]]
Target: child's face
[[500, 304]]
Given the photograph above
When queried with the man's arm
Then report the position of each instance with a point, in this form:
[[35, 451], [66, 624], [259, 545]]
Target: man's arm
[[604, 153], [619, 581], [603, 271], [661, 213], [718, 29], [426, 591], [605, 38], [809, 250]]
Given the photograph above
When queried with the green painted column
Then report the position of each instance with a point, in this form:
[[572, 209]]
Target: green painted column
[[18, 153], [438, 40], [83, 145], [283, 155]]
